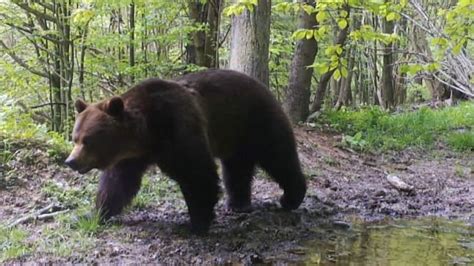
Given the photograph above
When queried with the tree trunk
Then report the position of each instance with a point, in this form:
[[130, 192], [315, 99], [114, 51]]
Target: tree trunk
[[326, 77], [203, 50], [387, 91], [132, 41], [298, 93], [250, 42], [345, 93]]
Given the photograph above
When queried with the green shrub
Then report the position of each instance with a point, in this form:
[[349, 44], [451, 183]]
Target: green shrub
[[16, 126], [417, 93], [375, 129]]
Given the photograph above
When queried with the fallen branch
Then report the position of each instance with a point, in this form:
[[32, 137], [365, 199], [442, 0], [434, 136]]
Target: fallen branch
[[41, 214]]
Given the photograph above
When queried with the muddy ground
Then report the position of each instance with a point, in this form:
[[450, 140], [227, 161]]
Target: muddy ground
[[343, 186]]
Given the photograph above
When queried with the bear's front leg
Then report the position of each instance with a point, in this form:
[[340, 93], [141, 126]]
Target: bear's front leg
[[201, 197], [191, 164], [118, 185]]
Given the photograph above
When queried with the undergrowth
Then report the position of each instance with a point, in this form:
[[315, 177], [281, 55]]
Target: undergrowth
[[371, 128], [17, 128]]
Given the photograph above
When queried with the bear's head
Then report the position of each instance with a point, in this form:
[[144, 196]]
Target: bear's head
[[102, 136]]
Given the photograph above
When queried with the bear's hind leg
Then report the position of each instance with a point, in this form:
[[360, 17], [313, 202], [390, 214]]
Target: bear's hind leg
[[285, 169], [237, 175], [118, 185]]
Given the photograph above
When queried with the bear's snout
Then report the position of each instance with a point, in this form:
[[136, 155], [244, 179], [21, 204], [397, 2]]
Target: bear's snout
[[71, 162]]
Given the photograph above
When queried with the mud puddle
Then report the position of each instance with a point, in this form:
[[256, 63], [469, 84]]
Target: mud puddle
[[423, 241]]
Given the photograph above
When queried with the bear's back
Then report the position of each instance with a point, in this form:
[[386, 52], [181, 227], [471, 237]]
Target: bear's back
[[239, 109]]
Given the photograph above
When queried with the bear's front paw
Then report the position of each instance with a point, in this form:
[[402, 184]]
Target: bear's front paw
[[238, 208], [289, 204], [200, 228]]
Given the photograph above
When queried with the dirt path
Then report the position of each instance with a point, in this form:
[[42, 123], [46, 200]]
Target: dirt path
[[343, 185]]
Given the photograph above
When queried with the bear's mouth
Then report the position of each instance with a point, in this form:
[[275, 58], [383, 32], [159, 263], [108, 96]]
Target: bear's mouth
[[84, 170]]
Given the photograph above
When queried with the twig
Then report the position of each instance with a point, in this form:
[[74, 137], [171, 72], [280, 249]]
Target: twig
[[41, 214], [50, 215]]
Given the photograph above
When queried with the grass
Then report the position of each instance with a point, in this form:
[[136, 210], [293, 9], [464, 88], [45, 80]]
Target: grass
[[155, 187], [13, 243], [462, 141], [373, 129]]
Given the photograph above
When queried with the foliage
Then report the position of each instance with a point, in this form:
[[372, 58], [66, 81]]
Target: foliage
[[417, 93], [375, 129], [17, 126], [239, 7], [13, 243]]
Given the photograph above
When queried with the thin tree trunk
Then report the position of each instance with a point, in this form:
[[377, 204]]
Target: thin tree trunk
[[326, 77], [132, 41], [345, 93], [298, 93], [387, 91]]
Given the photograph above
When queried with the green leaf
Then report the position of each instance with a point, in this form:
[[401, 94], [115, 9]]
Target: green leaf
[[465, 3], [391, 16], [309, 34], [321, 16], [342, 23], [308, 9], [299, 34], [433, 67], [322, 30], [354, 3], [344, 71], [339, 50], [337, 74], [321, 68], [457, 48]]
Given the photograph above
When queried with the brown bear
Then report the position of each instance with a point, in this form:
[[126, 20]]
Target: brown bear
[[181, 125]]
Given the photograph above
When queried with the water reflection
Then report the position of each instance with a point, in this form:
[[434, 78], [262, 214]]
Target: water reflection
[[429, 241]]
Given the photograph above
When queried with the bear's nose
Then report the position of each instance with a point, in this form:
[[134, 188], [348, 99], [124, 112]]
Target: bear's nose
[[71, 163]]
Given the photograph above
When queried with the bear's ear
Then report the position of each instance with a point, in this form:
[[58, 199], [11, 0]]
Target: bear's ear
[[80, 105], [115, 106]]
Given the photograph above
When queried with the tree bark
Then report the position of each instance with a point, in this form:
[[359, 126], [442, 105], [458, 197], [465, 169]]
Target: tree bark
[[298, 93], [250, 39], [345, 92], [387, 92], [203, 50]]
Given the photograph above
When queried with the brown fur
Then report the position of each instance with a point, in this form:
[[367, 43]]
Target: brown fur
[[181, 126]]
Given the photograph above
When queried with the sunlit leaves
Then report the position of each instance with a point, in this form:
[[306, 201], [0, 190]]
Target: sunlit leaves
[[335, 63], [299, 34], [82, 16], [239, 7], [392, 16], [413, 69], [321, 16], [459, 24], [342, 23], [367, 33], [308, 9]]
